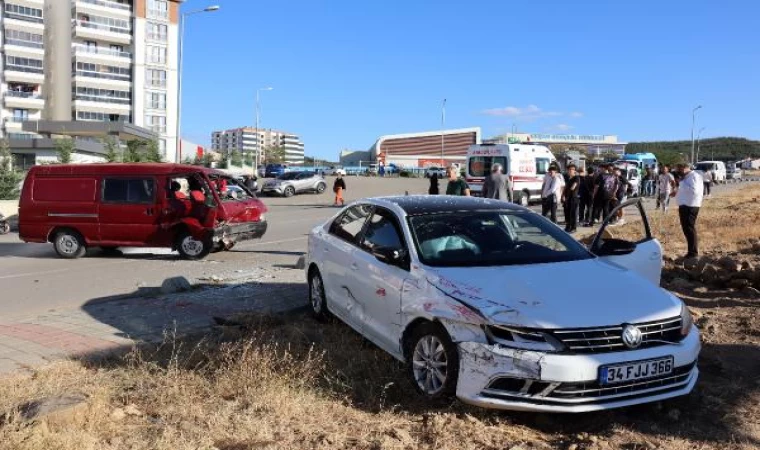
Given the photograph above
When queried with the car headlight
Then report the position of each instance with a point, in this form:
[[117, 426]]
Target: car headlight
[[522, 338], [686, 320]]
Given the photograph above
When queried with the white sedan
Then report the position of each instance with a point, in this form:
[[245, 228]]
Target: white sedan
[[496, 305]]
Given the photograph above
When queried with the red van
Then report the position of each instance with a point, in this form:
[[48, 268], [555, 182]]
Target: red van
[[190, 209]]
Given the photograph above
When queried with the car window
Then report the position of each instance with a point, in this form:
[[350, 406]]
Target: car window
[[480, 166], [542, 165], [382, 232], [349, 224], [128, 190], [491, 238], [305, 175]]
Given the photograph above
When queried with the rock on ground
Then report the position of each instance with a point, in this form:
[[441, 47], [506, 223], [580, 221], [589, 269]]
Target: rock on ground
[[60, 412], [175, 284]]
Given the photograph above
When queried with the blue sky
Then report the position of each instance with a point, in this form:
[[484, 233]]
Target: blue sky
[[345, 72]]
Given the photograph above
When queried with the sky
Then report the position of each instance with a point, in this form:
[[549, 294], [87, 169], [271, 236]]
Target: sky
[[345, 72]]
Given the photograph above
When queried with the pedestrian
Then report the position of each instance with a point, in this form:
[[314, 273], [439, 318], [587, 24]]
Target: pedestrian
[[665, 185], [570, 199], [708, 181], [497, 185], [649, 182], [433, 189], [338, 187], [625, 188], [381, 171], [689, 194], [457, 185], [605, 194], [550, 192], [585, 192]]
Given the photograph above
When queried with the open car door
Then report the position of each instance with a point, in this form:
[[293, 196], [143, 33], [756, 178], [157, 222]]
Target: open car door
[[638, 251]]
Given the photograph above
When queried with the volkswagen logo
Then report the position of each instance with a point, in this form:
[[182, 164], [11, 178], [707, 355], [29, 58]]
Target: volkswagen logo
[[632, 336]]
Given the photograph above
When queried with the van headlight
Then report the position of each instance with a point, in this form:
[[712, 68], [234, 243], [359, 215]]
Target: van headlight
[[686, 320], [523, 339]]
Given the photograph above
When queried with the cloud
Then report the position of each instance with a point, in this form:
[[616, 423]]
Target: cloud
[[528, 113], [576, 114]]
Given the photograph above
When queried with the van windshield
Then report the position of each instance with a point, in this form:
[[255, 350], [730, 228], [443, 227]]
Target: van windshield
[[480, 166]]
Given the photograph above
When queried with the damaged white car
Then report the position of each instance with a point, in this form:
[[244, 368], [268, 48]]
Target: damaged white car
[[493, 303]]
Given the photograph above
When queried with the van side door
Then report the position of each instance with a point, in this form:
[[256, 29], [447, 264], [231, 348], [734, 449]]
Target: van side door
[[129, 212]]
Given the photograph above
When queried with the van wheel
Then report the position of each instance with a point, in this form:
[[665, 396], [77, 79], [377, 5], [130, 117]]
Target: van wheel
[[191, 248], [289, 191], [524, 199], [69, 244]]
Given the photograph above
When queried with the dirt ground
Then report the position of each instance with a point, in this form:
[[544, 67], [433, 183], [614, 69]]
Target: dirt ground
[[265, 383]]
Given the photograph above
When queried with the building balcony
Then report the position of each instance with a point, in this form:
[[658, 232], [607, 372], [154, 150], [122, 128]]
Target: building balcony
[[22, 17], [23, 25], [91, 30], [24, 100], [24, 74], [104, 7], [24, 43], [80, 49], [102, 105]]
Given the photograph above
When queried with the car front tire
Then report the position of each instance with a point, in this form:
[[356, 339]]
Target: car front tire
[[69, 244], [191, 248], [289, 192], [321, 188], [432, 362], [317, 298]]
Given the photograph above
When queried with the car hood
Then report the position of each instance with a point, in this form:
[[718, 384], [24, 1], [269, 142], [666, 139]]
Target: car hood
[[576, 294]]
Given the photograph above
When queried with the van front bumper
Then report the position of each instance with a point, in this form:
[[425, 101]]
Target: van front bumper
[[494, 376], [241, 231]]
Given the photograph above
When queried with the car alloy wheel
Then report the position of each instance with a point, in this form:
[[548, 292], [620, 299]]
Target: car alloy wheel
[[289, 191], [430, 365], [321, 188]]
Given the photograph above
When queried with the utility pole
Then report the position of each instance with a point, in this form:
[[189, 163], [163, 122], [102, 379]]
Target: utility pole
[[699, 135], [693, 119]]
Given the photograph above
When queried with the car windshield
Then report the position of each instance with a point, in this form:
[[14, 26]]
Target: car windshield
[[704, 166], [288, 176], [491, 238]]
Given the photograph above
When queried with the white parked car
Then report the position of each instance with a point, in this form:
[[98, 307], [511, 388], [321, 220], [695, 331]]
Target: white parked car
[[335, 171], [493, 303], [441, 171]]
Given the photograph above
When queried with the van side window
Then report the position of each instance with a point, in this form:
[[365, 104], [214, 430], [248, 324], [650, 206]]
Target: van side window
[[129, 190]]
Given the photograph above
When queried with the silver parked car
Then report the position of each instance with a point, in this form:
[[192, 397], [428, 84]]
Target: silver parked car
[[291, 183]]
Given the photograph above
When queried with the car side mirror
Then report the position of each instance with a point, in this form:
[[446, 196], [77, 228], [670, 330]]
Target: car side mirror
[[615, 247], [391, 256]]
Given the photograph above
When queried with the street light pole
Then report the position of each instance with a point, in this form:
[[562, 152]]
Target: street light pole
[[443, 126], [699, 135], [693, 119], [258, 114], [178, 150]]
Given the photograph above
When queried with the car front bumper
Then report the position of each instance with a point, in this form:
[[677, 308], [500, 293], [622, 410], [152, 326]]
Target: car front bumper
[[494, 376], [241, 231], [278, 189]]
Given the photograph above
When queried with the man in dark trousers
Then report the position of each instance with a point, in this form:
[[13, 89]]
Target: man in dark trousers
[[570, 199], [433, 189], [496, 186], [550, 193], [605, 193], [689, 195], [584, 194]]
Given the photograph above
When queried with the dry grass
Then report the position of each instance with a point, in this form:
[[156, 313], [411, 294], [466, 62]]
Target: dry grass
[[293, 383]]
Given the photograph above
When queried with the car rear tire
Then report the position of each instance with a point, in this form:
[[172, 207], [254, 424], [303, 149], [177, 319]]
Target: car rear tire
[[317, 298], [432, 361], [69, 244], [5, 228], [289, 192], [321, 188], [191, 248]]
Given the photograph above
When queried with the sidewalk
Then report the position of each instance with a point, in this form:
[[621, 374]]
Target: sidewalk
[[107, 325]]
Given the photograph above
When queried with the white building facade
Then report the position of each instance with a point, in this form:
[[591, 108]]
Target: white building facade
[[90, 60], [248, 140]]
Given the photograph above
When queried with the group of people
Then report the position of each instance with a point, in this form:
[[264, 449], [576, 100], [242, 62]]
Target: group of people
[[496, 185]]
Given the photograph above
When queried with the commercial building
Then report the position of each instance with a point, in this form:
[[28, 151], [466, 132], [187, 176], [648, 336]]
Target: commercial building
[[101, 61], [247, 141], [425, 149], [593, 144]]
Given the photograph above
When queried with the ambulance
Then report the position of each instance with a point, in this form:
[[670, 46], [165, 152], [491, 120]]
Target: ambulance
[[525, 164]]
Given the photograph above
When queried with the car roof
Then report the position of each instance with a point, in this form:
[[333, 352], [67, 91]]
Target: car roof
[[415, 205], [121, 169]]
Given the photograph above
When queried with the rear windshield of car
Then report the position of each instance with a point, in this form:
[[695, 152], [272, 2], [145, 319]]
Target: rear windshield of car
[[491, 238], [480, 166]]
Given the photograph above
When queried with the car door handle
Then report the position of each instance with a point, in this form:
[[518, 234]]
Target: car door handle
[[149, 211]]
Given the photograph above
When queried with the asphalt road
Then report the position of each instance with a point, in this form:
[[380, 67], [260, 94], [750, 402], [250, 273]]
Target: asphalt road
[[33, 279]]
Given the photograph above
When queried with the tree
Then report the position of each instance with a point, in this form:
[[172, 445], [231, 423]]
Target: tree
[[9, 176], [187, 160], [64, 147], [198, 160], [275, 154], [152, 152], [134, 151], [113, 149], [208, 159], [248, 159], [224, 163], [235, 159]]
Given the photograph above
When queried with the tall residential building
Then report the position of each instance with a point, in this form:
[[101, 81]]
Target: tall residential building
[[246, 140], [90, 60]]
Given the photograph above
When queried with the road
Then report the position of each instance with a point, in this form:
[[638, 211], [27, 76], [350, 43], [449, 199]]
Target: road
[[34, 280]]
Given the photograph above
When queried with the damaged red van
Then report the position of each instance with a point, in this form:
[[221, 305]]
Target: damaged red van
[[190, 209]]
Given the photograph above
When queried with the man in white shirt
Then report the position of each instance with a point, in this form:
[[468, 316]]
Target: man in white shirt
[[689, 195], [665, 185], [550, 192]]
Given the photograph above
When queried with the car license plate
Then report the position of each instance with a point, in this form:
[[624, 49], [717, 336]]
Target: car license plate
[[637, 370]]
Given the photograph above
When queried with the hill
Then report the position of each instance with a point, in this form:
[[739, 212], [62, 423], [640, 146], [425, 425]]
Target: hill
[[722, 148]]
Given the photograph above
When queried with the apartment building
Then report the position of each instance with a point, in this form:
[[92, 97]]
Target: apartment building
[[90, 61], [247, 140]]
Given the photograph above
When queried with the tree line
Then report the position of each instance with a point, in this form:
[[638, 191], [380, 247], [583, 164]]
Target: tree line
[[722, 149]]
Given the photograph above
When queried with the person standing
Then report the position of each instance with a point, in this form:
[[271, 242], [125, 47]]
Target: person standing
[[433, 189], [457, 185], [665, 185], [605, 193], [649, 182], [338, 187], [550, 192], [689, 195], [708, 181], [570, 199], [496, 186], [624, 190], [585, 193]]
